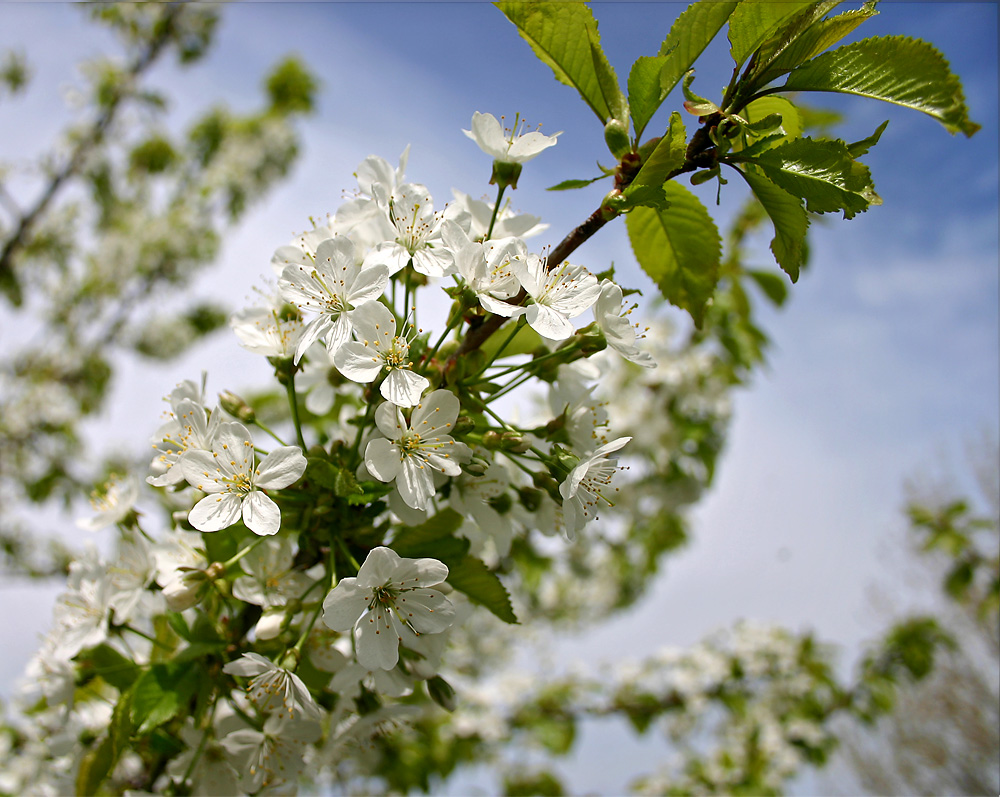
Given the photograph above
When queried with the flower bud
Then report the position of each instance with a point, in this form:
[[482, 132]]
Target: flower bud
[[531, 499], [441, 692], [236, 407], [616, 137], [184, 592], [463, 424], [492, 440], [514, 442], [269, 625]]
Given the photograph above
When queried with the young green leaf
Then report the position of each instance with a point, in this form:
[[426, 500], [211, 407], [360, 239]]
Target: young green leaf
[[162, 691], [760, 109], [759, 73], [771, 283], [564, 36], [789, 218], [896, 69], [755, 21], [814, 40], [99, 762], [432, 538], [481, 585], [859, 148], [567, 185], [679, 249], [667, 156], [690, 34], [644, 92], [823, 173]]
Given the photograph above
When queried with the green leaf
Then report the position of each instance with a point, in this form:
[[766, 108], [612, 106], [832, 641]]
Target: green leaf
[[162, 691], [567, 185], [108, 664], [690, 34], [645, 94], [896, 69], [790, 223], [482, 586], [322, 472], [823, 173], [772, 284], [679, 248], [643, 196], [760, 109], [814, 40], [564, 36], [667, 156], [859, 148], [433, 538], [99, 762], [759, 72], [755, 21]]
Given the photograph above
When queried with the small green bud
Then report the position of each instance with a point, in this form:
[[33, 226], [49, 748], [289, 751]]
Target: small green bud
[[704, 176], [531, 499], [514, 442], [616, 137], [492, 440], [236, 407], [441, 692], [463, 425]]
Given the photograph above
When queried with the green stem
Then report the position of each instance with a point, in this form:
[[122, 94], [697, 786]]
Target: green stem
[[229, 563], [496, 211], [145, 636], [348, 554], [510, 386], [451, 325], [266, 430], [517, 326], [294, 405], [499, 420], [543, 358]]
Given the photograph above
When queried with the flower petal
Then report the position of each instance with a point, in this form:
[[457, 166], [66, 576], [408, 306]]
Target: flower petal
[[282, 467], [261, 515], [345, 604], [215, 512]]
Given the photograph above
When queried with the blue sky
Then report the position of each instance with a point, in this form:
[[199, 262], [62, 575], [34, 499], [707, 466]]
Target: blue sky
[[886, 354]]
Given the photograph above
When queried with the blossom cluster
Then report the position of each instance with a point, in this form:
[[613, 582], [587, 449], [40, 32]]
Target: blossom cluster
[[295, 584]]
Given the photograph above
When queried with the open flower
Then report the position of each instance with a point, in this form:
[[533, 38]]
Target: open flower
[[559, 294], [584, 488], [111, 504], [612, 318], [333, 285], [272, 687], [379, 349], [227, 472], [507, 146], [409, 454], [389, 596]]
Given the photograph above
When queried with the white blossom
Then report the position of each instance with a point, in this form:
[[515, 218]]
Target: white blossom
[[379, 349], [228, 474], [410, 453], [558, 294], [112, 504], [389, 595], [507, 146], [272, 687], [583, 490], [332, 286]]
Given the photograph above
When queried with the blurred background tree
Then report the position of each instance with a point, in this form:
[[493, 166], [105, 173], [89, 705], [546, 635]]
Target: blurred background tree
[[100, 230]]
